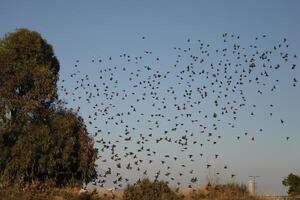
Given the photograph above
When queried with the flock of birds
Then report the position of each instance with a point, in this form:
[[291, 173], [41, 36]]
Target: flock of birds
[[156, 119]]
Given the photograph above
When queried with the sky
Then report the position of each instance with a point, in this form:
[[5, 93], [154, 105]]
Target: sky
[[86, 30]]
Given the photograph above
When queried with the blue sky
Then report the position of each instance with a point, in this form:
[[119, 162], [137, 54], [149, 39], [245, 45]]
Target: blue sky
[[88, 30]]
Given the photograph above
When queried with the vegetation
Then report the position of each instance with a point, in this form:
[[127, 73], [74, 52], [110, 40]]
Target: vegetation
[[293, 182], [151, 190], [40, 141], [230, 191], [147, 190], [42, 192], [45, 147]]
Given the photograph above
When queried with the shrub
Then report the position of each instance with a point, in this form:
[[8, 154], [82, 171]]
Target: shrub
[[147, 190], [230, 191], [293, 182], [38, 191]]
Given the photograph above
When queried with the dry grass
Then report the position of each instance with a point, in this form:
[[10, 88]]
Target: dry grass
[[106, 195], [32, 193], [219, 192]]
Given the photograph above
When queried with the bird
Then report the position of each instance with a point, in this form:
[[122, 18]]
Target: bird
[[143, 105]]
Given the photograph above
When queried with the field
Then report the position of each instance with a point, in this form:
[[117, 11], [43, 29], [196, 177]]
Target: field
[[222, 192]]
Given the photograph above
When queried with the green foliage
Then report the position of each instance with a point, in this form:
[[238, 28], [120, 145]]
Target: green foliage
[[28, 75], [147, 190], [58, 151], [38, 141], [293, 182]]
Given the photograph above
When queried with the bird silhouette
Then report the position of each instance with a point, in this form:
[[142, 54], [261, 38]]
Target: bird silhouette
[[148, 116]]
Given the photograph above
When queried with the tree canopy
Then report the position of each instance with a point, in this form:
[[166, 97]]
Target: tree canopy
[[38, 140], [28, 76], [293, 182], [148, 190]]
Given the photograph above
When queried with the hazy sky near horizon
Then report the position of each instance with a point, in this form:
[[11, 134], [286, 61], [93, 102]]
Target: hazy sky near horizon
[[87, 30]]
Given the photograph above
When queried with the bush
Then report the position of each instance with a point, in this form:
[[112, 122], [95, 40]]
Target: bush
[[293, 182], [230, 191], [39, 191], [147, 190]]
